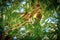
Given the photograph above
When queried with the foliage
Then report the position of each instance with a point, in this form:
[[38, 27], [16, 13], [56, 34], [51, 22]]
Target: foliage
[[15, 27]]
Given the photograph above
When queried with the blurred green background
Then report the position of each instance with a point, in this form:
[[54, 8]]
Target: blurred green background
[[48, 28]]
